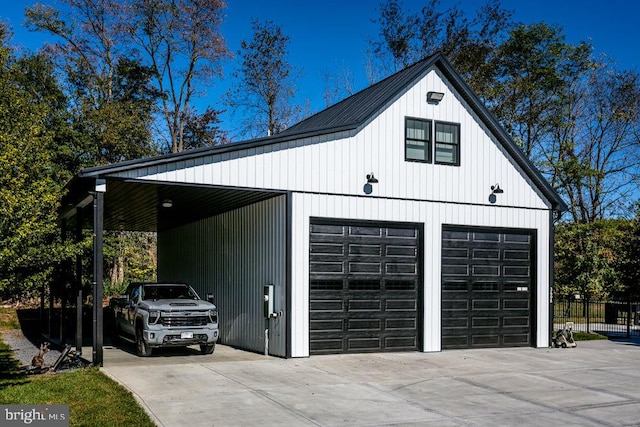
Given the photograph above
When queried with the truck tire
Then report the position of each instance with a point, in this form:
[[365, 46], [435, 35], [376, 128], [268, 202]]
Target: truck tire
[[142, 348], [207, 348]]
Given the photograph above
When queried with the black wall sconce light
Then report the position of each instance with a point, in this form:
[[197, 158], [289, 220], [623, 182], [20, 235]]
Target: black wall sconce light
[[495, 189], [167, 203], [371, 179], [434, 97]]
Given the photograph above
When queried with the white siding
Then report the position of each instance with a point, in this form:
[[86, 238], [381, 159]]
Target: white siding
[[433, 216], [233, 256], [326, 175], [339, 163]]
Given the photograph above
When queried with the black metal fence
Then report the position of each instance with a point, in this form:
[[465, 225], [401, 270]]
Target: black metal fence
[[610, 318]]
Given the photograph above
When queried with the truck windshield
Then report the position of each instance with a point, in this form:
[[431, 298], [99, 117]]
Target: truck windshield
[[168, 292]]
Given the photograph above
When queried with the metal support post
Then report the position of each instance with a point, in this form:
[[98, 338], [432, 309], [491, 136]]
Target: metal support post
[[98, 285]]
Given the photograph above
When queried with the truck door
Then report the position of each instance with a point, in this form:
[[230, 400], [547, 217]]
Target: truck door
[[131, 308]]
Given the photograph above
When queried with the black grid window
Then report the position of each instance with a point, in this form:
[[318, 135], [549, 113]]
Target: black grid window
[[447, 143], [418, 140]]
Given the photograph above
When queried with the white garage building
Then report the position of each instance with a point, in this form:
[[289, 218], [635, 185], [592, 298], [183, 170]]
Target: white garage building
[[402, 218]]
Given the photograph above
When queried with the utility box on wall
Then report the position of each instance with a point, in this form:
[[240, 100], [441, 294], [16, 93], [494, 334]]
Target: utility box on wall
[[268, 300]]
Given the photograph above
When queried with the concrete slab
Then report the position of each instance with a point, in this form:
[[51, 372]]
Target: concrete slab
[[595, 384]]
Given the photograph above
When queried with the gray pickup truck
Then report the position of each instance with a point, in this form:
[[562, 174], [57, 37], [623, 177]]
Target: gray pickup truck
[[164, 315]]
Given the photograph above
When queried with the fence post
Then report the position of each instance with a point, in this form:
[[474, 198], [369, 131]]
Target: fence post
[[588, 314], [628, 317]]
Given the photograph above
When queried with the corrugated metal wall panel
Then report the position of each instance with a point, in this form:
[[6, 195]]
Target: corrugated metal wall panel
[[433, 216], [339, 163], [233, 256]]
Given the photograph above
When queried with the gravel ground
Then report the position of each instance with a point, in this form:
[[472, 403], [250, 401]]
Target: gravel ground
[[24, 350]]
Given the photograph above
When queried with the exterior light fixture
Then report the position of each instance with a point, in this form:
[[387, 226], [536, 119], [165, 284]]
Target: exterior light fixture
[[167, 203], [495, 189], [434, 97], [371, 179]]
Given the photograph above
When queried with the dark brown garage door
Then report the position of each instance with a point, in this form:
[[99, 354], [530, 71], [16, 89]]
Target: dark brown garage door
[[364, 288], [487, 288]]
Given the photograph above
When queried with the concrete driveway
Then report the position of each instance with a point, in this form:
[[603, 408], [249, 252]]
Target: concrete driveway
[[595, 384]]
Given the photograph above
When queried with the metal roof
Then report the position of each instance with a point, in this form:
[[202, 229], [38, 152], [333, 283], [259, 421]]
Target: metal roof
[[348, 114]]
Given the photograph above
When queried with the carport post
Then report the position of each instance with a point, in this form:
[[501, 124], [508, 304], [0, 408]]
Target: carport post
[[78, 284], [98, 285]]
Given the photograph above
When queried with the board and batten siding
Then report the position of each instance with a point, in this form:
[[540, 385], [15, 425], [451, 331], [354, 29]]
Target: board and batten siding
[[433, 216], [232, 256], [338, 163]]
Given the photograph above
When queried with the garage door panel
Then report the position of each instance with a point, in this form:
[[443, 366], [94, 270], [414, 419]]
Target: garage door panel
[[452, 270], [360, 249], [320, 230], [328, 325], [378, 289], [487, 296]]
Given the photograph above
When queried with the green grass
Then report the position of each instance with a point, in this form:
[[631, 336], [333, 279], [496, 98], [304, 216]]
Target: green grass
[[586, 336], [93, 398], [8, 318]]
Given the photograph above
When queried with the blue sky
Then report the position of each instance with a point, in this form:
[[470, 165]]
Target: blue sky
[[331, 35]]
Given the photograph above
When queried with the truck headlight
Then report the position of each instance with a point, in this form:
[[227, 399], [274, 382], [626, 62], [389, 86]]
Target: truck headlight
[[154, 315], [213, 316]]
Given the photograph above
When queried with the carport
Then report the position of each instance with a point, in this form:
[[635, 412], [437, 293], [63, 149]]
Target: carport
[[99, 203]]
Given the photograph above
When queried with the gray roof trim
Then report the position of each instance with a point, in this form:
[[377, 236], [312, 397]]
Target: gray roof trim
[[353, 112]]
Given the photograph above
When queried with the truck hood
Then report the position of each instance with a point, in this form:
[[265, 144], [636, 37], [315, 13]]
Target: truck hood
[[177, 304]]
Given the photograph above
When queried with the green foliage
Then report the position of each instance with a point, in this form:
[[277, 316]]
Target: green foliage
[[30, 247], [534, 67], [128, 257], [588, 258]]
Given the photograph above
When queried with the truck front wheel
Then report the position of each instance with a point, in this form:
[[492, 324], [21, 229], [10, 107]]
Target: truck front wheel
[[142, 348], [207, 348]]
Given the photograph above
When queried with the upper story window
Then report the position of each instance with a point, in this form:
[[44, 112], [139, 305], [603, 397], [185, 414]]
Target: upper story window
[[447, 143], [427, 142], [418, 140]]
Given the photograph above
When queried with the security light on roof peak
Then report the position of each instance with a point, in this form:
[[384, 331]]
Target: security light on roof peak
[[434, 97]]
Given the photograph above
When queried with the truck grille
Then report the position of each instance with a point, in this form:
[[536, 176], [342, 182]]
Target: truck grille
[[177, 321]]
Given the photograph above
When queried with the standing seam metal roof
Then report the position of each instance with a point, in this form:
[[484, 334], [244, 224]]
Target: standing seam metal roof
[[351, 113]]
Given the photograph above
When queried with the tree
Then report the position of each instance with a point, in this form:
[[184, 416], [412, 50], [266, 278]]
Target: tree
[[398, 33], [111, 101], [593, 159], [534, 69], [30, 247], [467, 43], [265, 82], [629, 265], [175, 45], [181, 40], [588, 258]]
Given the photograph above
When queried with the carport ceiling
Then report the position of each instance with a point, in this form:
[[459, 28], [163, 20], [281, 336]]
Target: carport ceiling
[[137, 206]]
